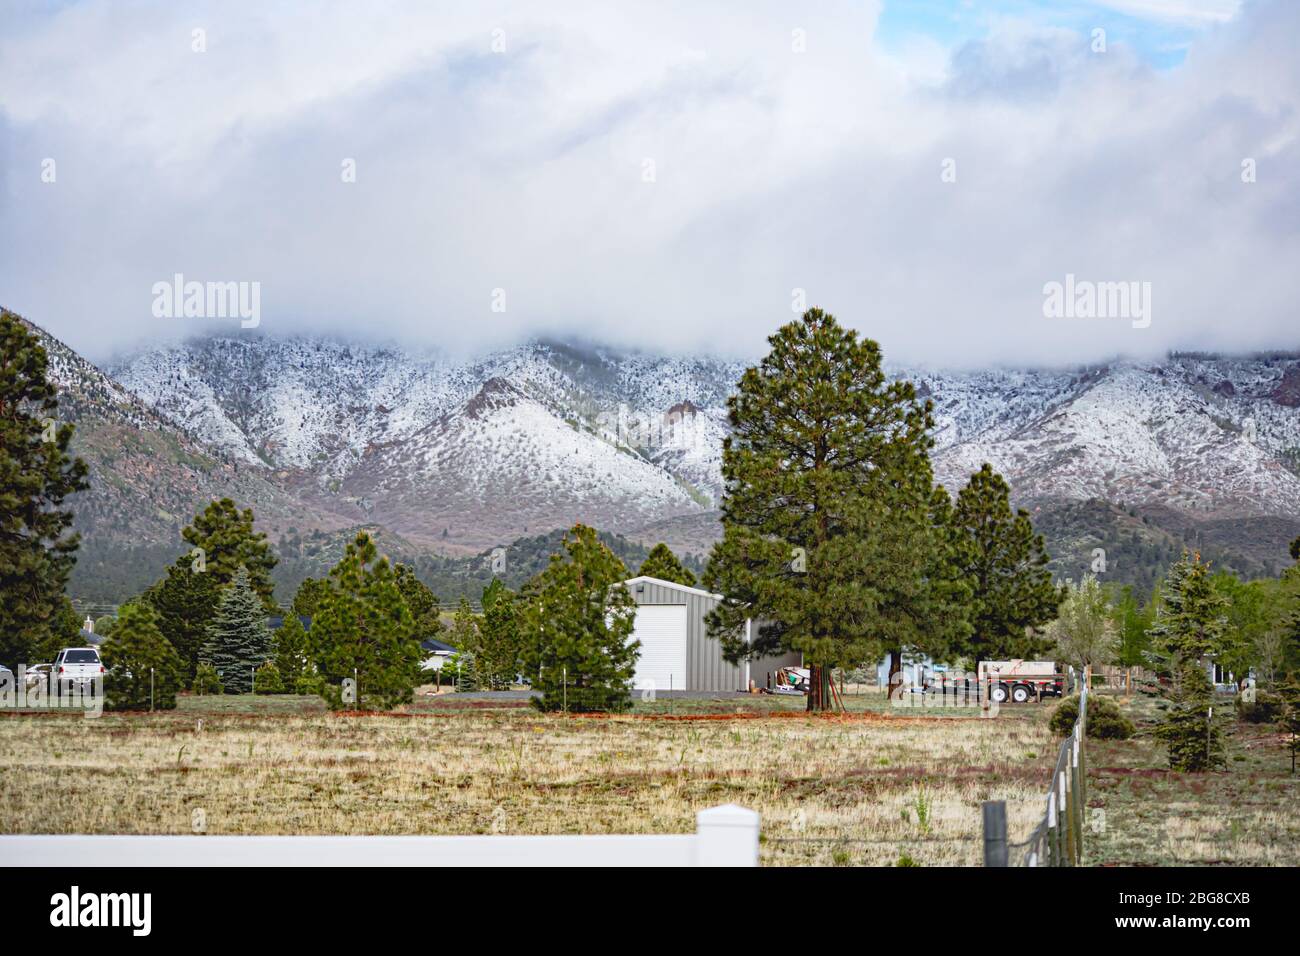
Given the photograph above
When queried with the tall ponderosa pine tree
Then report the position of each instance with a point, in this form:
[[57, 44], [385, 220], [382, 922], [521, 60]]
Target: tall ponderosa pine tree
[[661, 563], [37, 474], [1006, 563], [575, 626], [829, 513], [140, 662], [237, 638], [497, 652], [363, 627]]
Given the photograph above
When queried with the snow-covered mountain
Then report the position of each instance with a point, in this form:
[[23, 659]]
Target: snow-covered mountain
[[464, 455]]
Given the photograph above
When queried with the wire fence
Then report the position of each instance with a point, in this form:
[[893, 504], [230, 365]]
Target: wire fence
[[1057, 840]]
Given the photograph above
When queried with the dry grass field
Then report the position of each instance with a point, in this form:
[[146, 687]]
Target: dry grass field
[[875, 786], [866, 788]]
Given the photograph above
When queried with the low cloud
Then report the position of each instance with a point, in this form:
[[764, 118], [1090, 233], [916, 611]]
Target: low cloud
[[655, 176]]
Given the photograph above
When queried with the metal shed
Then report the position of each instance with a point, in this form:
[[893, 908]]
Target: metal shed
[[677, 652]]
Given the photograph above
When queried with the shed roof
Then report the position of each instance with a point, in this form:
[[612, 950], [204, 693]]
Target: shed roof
[[645, 578]]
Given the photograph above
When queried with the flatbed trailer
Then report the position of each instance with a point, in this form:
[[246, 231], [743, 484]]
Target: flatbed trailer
[[1019, 682]]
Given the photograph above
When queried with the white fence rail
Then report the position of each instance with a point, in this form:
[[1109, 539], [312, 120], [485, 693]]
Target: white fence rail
[[724, 836]]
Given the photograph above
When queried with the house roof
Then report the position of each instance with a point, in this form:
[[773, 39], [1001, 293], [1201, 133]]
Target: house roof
[[646, 579], [437, 647]]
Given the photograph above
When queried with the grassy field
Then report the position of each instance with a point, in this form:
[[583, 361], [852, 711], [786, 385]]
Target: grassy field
[[1248, 815], [875, 786]]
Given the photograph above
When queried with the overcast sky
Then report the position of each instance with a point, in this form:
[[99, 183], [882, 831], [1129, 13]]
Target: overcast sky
[[658, 175]]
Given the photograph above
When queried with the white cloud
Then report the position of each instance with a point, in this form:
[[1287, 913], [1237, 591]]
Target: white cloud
[[525, 171]]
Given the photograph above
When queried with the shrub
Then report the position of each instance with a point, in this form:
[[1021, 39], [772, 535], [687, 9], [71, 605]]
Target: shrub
[[1265, 709], [206, 680], [266, 680], [1105, 720], [309, 685], [143, 669]]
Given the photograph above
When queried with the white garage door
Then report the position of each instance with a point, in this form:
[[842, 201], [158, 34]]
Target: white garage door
[[661, 629]]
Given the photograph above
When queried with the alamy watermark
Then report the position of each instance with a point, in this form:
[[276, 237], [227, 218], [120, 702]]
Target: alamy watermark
[[1085, 299], [32, 689], [181, 299]]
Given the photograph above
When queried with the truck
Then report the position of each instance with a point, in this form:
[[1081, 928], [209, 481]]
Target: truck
[[1021, 681], [77, 665]]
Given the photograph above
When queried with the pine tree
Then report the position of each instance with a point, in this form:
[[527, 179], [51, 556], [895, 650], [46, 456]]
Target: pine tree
[[1289, 722], [497, 652], [228, 542], [308, 597], [237, 638], [1192, 619], [37, 475], [575, 627], [661, 563], [139, 662], [424, 606], [267, 679], [363, 628], [1006, 563], [1194, 739], [828, 531], [1295, 550], [186, 602], [291, 651]]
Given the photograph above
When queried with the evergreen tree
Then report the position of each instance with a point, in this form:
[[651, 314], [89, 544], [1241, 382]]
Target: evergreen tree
[[1131, 621], [575, 627], [1194, 739], [424, 606], [497, 651], [661, 563], [267, 679], [1289, 722], [308, 597], [37, 474], [228, 542], [186, 601], [237, 638], [464, 628], [291, 651], [139, 661], [364, 628], [1014, 596], [828, 531], [1295, 550], [1192, 620], [206, 681]]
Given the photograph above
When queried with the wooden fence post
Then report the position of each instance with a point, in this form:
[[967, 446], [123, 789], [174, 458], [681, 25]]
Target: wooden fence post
[[995, 832]]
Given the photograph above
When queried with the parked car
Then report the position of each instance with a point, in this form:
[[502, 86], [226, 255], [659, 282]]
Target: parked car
[[77, 665]]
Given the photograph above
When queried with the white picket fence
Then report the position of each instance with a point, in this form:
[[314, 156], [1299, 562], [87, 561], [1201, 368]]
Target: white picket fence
[[724, 836]]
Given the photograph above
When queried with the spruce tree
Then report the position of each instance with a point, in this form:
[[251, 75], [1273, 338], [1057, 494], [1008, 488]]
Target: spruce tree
[[661, 563], [1193, 737], [363, 628], [1006, 564], [1192, 620], [575, 626], [829, 539], [37, 475], [237, 638], [139, 662], [291, 651]]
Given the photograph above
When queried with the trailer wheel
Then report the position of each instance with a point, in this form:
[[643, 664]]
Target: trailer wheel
[[999, 694], [1021, 693]]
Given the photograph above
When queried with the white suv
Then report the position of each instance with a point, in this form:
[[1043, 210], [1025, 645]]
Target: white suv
[[79, 665]]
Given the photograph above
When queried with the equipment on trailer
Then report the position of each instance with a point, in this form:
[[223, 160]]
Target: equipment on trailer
[[1020, 681]]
